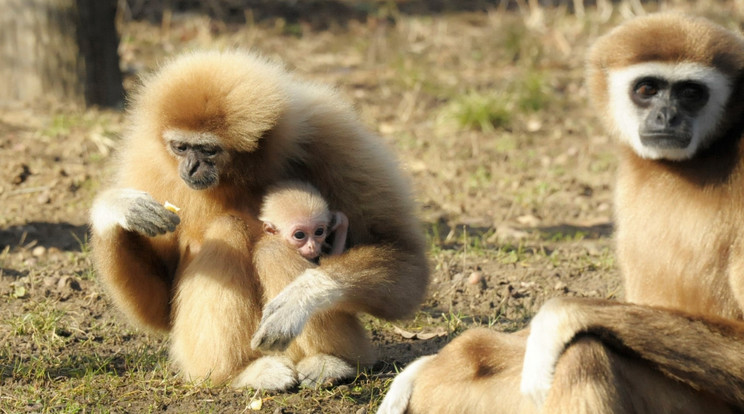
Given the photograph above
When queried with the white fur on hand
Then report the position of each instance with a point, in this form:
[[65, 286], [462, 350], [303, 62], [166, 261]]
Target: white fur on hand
[[397, 398], [285, 315], [550, 330], [132, 210]]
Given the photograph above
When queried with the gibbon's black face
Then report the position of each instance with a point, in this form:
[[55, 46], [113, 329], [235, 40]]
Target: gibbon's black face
[[668, 110], [199, 164]]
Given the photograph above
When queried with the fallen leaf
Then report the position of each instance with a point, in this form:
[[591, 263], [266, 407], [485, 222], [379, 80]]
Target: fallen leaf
[[420, 335], [19, 292]]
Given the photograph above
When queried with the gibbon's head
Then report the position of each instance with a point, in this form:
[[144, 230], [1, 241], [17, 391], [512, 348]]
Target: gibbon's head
[[664, 82], [206, 107], [299, 213]]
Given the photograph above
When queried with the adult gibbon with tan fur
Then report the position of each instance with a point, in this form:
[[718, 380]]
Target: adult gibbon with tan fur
[[211, 132], [672, 89]]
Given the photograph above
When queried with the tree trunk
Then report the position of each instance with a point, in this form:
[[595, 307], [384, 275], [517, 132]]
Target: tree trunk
[[64, 50]]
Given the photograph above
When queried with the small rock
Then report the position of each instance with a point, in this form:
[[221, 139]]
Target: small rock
[[68, 282], [38, 251], [529, 220], [22, 175], [44, 198], [50, 281], [534, 125], [256, 404], [475, 278]]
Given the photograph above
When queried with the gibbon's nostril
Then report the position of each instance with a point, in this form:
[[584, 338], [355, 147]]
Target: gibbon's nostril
[[193, 167], [667, 117]]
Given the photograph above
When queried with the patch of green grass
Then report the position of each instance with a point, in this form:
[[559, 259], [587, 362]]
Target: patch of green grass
[[604, 261], [406, 141], [480, 178], [504, 144], [603, 162], [434, 239], [567, 236], [520, 44], [511, 254], [487, 111], [532, 94], [84, 243], [479, 111], [40, 324], [454, 322], [62, 124], [534, 193]]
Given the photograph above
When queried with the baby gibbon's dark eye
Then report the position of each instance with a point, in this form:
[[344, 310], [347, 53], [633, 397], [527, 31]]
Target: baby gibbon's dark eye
[[299, 235], [320, 231]]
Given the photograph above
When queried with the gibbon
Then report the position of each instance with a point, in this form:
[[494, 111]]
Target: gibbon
[[296, 212], [672, 89], [211, 132]]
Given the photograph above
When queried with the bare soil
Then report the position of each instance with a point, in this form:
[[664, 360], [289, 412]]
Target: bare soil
[[517, 209]]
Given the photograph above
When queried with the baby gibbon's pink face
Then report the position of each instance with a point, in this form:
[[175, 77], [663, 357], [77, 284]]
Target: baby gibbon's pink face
[[308, 237]]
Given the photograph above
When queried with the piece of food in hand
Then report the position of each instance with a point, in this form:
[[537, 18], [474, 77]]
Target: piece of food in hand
[[171, 207]]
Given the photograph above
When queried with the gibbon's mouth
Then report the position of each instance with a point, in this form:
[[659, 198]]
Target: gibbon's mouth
[[201, 184], [665, 140]]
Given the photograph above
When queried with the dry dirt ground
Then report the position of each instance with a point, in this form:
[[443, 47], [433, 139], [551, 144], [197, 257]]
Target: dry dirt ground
[[487, 112]]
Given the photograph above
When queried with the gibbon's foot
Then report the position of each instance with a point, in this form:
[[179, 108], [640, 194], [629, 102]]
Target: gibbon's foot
[[399, 394], [271, 373], [550, 331], [321, 369]]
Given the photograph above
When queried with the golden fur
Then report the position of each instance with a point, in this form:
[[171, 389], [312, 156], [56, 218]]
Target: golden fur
[[200, 281], [680, 347], [288, 201]]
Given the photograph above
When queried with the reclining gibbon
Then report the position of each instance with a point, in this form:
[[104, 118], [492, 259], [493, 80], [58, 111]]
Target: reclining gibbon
[[211, 132], [671, 88]]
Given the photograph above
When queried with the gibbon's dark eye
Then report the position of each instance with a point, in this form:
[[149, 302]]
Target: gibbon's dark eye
[[210, 151], [299, 235], [320, 231], [178, 147], [693, 92], [646, 88]]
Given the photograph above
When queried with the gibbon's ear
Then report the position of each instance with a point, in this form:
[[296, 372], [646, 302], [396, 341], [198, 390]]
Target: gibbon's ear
[[270, 228]]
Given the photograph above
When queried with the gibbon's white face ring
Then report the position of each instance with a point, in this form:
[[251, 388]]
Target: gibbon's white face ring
[[626, 116]]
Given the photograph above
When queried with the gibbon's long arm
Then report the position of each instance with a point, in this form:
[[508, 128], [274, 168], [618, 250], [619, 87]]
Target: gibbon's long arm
[[123, 220], [365, 278], [707, 353]]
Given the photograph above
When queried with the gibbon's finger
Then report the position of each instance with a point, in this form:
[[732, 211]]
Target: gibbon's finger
[[277, 329], [148, 217]]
